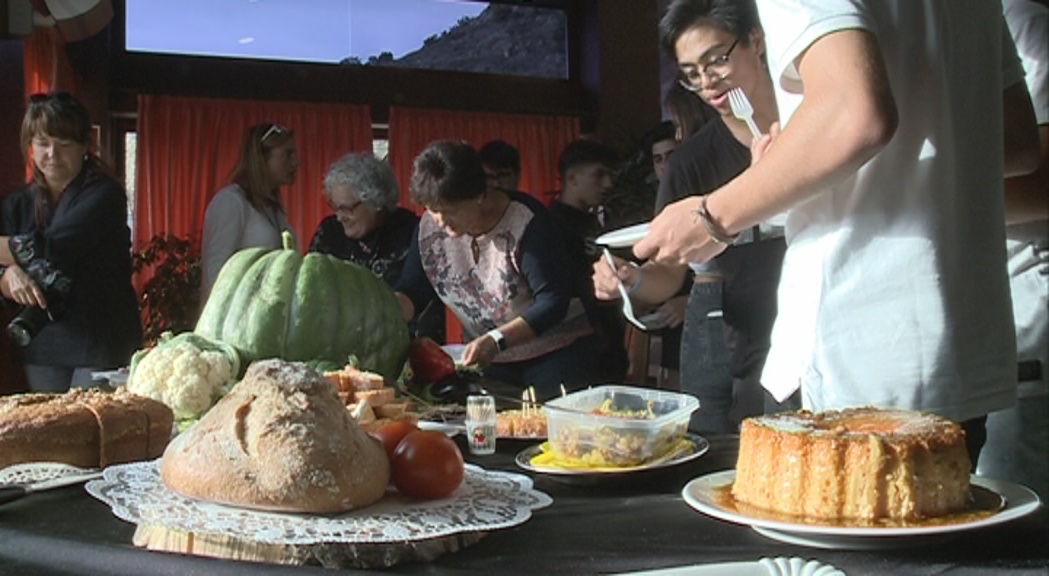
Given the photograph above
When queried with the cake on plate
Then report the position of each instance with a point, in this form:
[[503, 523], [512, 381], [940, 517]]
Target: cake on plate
[[855, 464]]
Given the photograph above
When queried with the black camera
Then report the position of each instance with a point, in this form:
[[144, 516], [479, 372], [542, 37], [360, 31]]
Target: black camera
[[55, 285], [27, 324]]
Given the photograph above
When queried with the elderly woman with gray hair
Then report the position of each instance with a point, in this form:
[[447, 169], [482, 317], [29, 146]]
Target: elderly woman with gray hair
[[368, 228]]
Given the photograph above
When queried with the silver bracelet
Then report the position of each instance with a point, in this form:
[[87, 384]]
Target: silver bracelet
[[711, 227]]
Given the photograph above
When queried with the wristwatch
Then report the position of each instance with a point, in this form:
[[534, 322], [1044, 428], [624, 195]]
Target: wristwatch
[[500, 340]]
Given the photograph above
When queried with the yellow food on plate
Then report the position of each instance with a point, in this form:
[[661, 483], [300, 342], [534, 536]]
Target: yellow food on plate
[[596, 462]]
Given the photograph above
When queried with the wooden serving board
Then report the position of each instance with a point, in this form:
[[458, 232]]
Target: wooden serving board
[[327, 554]]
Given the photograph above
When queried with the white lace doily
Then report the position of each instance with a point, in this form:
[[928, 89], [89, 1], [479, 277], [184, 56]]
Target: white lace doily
[[39, 472], [486, 500]]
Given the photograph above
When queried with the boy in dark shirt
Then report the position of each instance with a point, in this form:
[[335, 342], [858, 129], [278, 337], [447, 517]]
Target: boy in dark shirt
[[586, 169]]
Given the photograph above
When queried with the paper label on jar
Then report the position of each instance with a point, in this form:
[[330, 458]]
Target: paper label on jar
[[481, 436]]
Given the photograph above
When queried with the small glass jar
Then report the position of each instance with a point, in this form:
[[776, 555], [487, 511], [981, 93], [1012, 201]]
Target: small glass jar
[[480, 424]]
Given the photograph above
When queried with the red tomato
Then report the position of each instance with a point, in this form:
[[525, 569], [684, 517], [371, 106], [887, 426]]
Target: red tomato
[[428, 361], [391, 434], [427, 465]]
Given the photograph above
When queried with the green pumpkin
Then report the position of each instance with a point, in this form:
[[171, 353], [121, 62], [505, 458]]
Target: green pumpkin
[[313, 308]]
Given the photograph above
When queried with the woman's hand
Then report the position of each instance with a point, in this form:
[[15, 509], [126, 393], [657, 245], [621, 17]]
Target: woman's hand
[[672, 312], [606, 281], [480, 351], [16, 285]]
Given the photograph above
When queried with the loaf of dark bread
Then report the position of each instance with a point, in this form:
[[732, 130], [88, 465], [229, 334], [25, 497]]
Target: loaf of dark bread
[[87, 428], [280, 440]]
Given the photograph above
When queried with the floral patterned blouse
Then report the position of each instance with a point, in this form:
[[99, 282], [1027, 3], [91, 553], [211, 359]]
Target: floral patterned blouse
[[516, 269]]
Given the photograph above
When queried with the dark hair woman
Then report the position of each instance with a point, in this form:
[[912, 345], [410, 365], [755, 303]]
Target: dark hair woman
[[496, 259], [66, 253]]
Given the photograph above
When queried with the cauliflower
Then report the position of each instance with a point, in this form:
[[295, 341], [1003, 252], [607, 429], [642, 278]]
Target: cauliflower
[[188, 373]]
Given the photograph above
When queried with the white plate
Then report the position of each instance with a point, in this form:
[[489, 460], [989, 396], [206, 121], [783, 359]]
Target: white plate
[[448, 429], [486, 500], [700, 445], [701, 494], [114, 377], [455, 351], [779, 566], [624, 237]]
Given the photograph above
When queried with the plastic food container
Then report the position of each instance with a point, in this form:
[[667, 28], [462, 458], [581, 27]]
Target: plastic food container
[[617, 426]]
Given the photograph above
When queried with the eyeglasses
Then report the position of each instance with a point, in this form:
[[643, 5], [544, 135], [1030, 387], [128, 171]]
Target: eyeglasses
[[273, 129], [716, 67], [345, 209]]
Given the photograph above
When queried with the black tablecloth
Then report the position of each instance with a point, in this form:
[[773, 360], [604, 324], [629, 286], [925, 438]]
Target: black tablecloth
[[633, 523]]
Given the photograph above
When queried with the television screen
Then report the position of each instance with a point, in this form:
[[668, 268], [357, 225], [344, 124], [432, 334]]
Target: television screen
[[458, 35]]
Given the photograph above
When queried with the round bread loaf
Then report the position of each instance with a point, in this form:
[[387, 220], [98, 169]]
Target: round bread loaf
[[281, 440]]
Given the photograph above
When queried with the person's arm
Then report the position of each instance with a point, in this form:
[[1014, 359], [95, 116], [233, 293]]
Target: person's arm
[[847, 115], [77, 234], [8, 225], [1023, 152], [541, 251], [71, 238], [15, 284], [542, 264], [1027, 196], [649, 285], [6, 258], [413, 289], [224, 223]]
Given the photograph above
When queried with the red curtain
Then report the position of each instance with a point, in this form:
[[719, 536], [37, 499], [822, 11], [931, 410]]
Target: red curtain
[[45, 64], [46, 68], [187, 149], [539, 139]]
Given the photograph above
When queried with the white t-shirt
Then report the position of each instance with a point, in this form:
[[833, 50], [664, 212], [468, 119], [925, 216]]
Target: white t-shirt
[[231, 223], [1029, 24], [1027, 244], [894, 290]]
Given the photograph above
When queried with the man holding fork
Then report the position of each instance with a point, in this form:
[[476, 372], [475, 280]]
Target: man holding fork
[[719, 47], [887, 165]]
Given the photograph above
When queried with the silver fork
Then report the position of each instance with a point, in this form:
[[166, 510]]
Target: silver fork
[[742, 109], [628, 307]]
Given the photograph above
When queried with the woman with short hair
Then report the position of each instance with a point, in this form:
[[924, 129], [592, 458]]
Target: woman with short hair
[[496, 259], [368, 228]]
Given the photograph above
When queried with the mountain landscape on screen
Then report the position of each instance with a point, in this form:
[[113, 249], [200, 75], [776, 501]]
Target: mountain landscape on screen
[[502, 39]]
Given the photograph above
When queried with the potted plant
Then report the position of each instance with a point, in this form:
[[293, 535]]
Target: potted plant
[[170, 298]]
